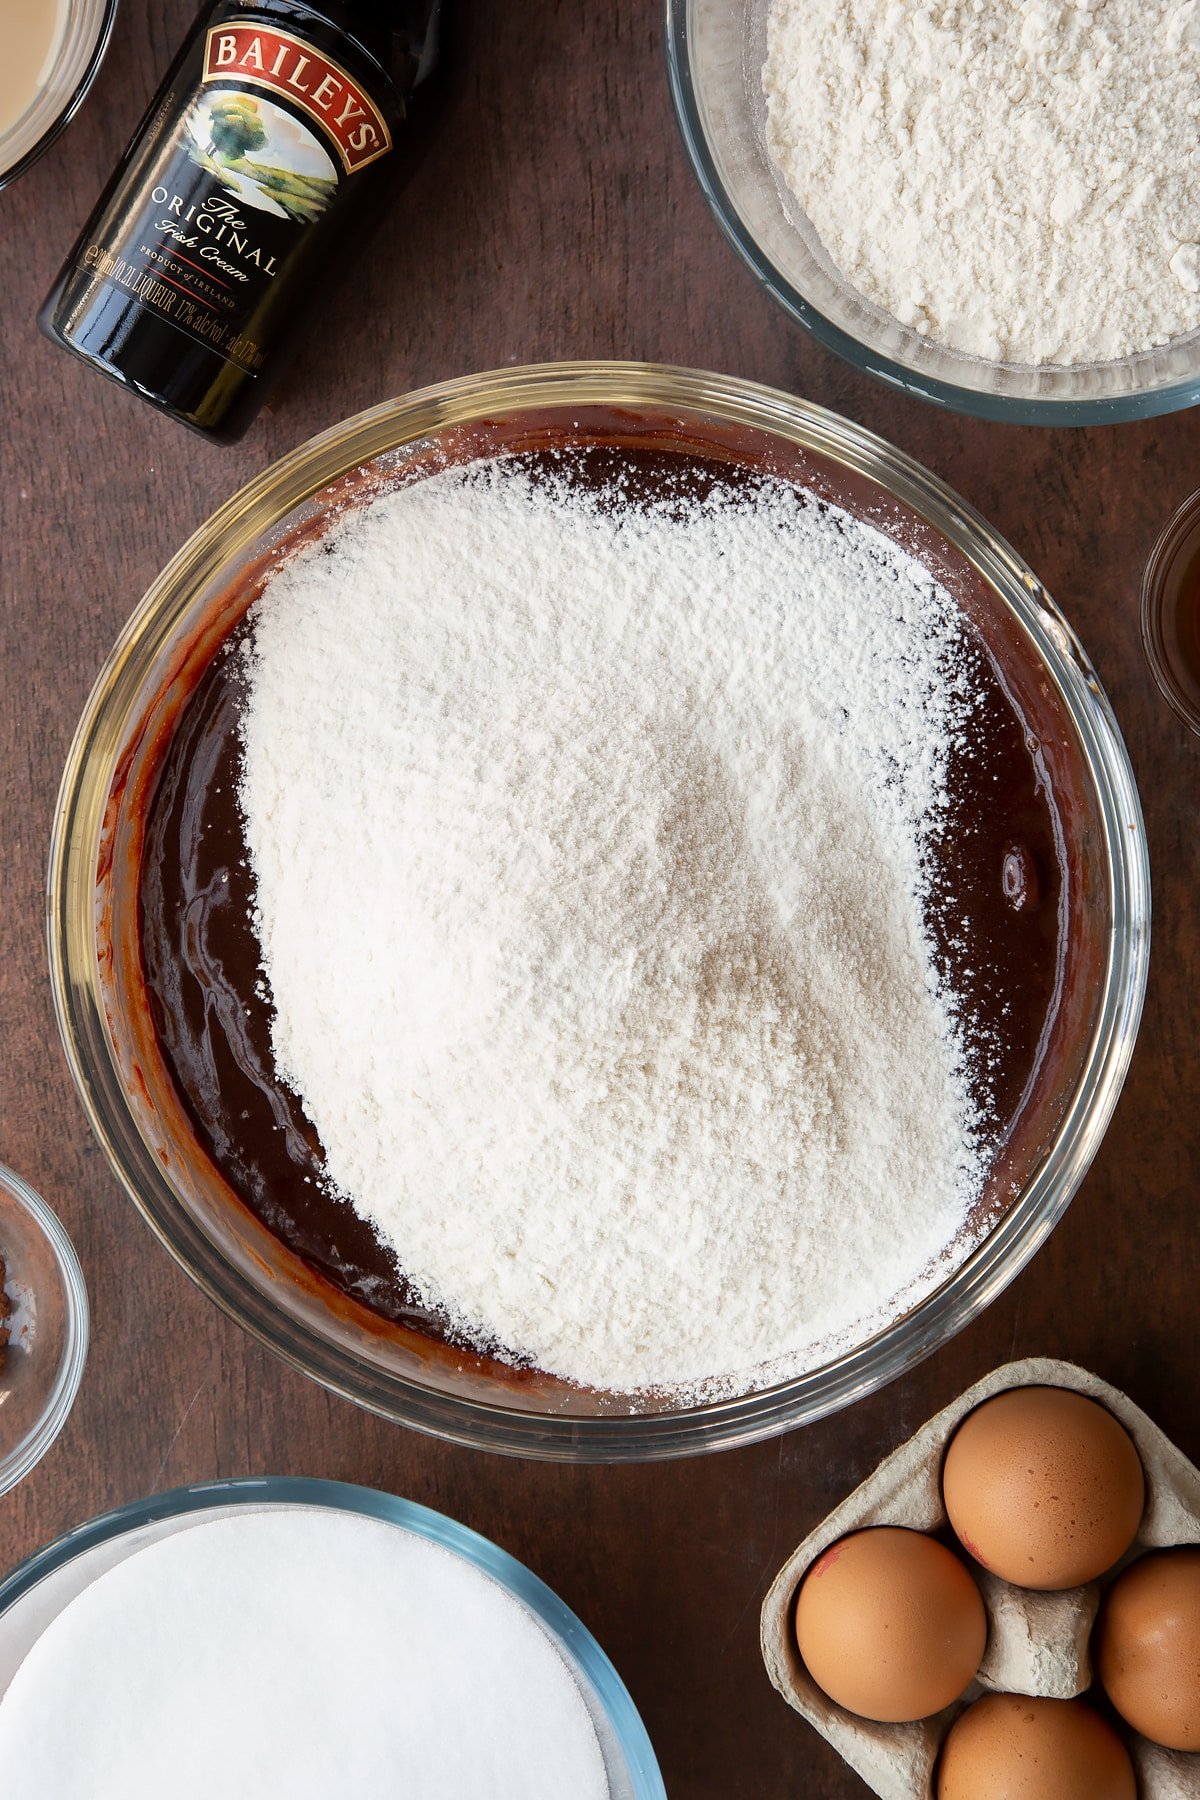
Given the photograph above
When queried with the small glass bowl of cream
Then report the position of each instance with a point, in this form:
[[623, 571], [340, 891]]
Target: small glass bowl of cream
[[45, 1318], [52, 51]]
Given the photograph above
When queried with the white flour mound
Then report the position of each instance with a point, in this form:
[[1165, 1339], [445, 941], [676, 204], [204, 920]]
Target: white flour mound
[[590, 842], [1019, 179], [296, 1654]]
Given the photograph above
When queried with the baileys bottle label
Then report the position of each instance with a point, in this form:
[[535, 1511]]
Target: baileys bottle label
[[283, 64], [245, 157]]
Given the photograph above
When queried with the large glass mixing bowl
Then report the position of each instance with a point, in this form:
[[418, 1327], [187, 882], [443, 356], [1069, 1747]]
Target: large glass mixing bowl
[[95, 954], [715, 55]]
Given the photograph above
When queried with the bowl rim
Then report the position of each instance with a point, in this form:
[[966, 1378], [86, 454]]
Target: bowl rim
[[1173, 396], [698, 1427], [564, 1627], [58, 124], [29, 1451]]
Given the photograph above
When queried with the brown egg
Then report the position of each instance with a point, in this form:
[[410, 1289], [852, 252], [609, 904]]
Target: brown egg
[[1008, 1747], [1148, 1647], [890, 1624], [1043, 1487]]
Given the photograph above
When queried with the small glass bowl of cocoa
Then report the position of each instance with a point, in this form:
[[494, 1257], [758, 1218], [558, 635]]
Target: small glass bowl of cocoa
[[1171, 612], [43, 1328]]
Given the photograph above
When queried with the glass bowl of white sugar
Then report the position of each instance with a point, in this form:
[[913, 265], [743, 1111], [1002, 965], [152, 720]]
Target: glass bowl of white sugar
[[986, 206], [438, 1653], [599, 911]]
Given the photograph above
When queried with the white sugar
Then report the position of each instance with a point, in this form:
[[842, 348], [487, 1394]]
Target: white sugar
[[591, 844], [297, 1654]]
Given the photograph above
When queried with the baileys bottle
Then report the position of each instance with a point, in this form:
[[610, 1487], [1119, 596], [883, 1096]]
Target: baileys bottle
[[263, 159]]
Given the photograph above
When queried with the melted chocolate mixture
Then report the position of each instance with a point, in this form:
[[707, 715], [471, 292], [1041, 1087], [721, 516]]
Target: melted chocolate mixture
[[997, 917]]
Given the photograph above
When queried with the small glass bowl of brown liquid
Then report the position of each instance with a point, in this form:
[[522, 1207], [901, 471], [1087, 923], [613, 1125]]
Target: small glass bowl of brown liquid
[[1171, 612]]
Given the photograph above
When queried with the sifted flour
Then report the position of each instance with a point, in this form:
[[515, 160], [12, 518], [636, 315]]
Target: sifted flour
[[1014, 178], [589, 842]]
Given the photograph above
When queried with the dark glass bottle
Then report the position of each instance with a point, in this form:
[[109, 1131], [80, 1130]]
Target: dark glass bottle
[[261, 165]]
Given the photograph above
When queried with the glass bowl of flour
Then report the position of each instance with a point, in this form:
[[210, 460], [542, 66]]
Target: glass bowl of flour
[[599, 911], [989, 206], [438, 1653]]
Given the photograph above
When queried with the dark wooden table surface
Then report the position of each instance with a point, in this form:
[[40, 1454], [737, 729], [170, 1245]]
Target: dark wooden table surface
[[555, 217]]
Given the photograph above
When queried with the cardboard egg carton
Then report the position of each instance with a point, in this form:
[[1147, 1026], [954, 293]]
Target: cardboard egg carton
[[1037, 1642]]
